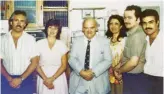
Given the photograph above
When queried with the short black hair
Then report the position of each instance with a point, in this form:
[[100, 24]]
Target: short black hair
[[122, 33], [53, 22], [18, 12], [137, 10], [150, 12]]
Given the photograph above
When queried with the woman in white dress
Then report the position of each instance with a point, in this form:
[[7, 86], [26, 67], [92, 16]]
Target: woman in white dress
[[52, 61], [116, 34]]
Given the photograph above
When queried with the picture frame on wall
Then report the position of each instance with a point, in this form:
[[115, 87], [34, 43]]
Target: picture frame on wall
[[87, 13]]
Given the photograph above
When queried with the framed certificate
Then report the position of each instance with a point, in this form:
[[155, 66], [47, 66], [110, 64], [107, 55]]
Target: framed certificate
[[87, 13]]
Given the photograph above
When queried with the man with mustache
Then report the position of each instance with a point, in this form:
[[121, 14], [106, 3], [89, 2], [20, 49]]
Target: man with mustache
[[134, 53], [18, 56], [154, 56]]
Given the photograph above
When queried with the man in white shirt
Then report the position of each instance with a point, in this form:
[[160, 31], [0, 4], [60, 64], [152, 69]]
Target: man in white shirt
[[18, 56], [154, 55], [90, 59]]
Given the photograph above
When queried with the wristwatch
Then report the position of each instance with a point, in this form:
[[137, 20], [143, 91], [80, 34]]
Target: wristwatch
[[22, 78]]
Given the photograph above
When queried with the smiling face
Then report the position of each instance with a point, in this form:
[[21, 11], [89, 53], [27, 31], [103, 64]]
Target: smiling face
[[115, 26], [52, 31], [18, 23], [89, 28], [150, 25]]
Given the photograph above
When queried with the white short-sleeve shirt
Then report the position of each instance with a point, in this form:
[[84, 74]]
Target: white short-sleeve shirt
[[154, 57], [16, 60]]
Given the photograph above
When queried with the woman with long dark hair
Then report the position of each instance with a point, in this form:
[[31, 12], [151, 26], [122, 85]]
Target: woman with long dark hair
[[116, 34]]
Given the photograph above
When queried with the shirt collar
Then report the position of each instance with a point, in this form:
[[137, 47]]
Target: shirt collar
[[21, 35], [158, 36], [86, 39], [133, 30]]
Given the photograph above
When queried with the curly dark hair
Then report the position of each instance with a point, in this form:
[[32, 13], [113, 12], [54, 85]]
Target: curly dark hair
[[122, 33]]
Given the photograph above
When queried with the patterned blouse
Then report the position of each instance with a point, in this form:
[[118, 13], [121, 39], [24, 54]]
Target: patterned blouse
[[117, 51]]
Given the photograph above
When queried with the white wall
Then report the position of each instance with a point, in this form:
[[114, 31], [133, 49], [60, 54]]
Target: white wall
[[111, 7], [4, 26]]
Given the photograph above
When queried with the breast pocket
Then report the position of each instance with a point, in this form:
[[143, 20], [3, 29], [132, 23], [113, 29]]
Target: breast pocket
[[100, 55]]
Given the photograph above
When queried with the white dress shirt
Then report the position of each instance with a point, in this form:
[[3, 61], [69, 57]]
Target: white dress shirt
[[154, 56], [16, 60], [92, 46]]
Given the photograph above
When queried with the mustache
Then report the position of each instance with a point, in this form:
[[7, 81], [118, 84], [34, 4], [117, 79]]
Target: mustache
[[19, 26], [148, 28]]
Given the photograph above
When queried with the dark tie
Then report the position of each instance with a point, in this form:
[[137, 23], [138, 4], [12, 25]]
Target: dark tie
[[87, 56]]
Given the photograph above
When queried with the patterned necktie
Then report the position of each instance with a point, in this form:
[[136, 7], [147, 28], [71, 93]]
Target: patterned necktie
[[87, 56]]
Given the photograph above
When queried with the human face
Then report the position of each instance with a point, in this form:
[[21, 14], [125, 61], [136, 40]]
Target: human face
[[52, 31], [18, 23], [130, 19], [150, 25], [115, 26], [89, 28]]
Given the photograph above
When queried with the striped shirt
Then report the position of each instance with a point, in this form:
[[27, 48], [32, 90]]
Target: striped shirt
[[16, 60]]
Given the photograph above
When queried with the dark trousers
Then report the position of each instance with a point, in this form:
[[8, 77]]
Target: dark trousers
[[27, 86], [135, 83], [155, 85]]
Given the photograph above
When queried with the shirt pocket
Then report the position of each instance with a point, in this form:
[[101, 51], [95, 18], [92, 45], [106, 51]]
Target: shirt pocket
[[99, 54]]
